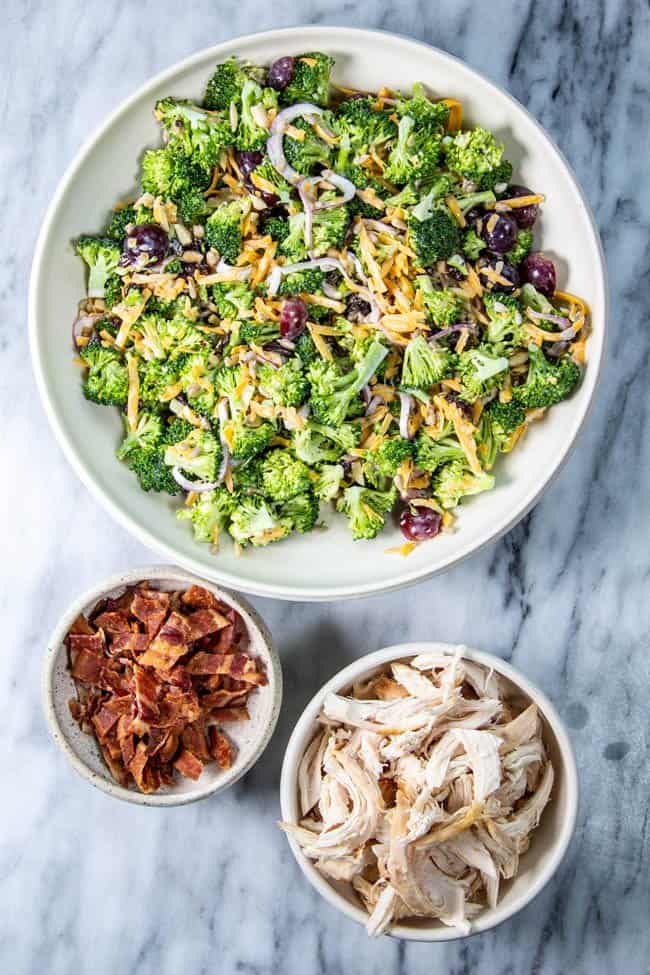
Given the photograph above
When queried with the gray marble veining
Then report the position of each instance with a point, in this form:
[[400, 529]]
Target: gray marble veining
[[91, 885]]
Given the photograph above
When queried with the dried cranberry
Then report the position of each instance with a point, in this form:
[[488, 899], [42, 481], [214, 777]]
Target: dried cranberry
[[281, 73], [147, 243], [357, 308], [419, 524], [293, 318]]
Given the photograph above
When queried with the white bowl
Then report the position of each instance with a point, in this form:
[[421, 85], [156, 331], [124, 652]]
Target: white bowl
[[548, 843], [328, 565], [249, 737]]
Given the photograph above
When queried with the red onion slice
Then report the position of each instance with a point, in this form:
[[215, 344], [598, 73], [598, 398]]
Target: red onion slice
[[568, 332], [461, 326], [308, 206], [346, 186], [199, 486], [406, 405], [274, 145], [224, 467], [556, 319]]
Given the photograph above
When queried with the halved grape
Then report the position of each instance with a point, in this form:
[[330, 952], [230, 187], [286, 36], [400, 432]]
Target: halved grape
[[539, 270], [508, 274], [293, 318], [524, 216], [419, 524], [281, 73]]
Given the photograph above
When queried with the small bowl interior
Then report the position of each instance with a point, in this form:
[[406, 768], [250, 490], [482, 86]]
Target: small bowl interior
[[247, 736], [548, 842]]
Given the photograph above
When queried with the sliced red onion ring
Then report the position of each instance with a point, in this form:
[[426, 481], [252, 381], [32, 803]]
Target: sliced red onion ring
[[225, 464], [81, 322], [556, 319], [199, 486], [380, 227], [567, 333], [346, 186], [331, 292], [308, 207], [460, 327], [373, 403], [274, 145], [406, 405]]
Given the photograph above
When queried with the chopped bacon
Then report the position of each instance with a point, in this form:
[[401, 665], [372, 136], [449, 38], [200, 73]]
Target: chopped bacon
[[188, 765], [150, 608], [155, 673], [220, 748], [205, 621], [238, 665]]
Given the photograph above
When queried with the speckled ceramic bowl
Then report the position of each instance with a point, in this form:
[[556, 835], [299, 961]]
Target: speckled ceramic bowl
[[325, 565], [250, 738], [548, 844]]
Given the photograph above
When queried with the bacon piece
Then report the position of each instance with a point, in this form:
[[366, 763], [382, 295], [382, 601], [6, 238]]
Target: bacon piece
[[150, 607], [238, 665], [137, 766], [199, 598], [220, 748], [146, 693], [129, 643], [193, 739], [80, 626], [115, 621], [188, 765], [104, 720], [91, 642], [87, 667], [205, 621], [230, 714], [115, 766], [126, 739], [170, 746], [223, 698], [169, 645]]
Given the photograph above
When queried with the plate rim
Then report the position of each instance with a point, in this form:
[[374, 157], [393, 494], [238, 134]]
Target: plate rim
[[121, 516]]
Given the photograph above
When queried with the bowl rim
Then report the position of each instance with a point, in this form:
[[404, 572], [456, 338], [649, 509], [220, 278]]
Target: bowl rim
[[490, 918], [128, 577], [219, 575]]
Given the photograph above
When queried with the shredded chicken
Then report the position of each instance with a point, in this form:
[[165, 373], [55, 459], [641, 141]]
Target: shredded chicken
[[423, 789]]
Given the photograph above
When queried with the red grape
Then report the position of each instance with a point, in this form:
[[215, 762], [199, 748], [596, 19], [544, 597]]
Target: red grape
[[539, 270], [146, 244], [293, 318], [420, 523], [524, 216], [499, 232], [281, 73]]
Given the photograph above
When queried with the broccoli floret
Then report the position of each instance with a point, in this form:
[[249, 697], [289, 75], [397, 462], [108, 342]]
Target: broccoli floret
[[502, 173], [407, 197], [437, 186], [283, 475], [522, 247], [366, 509], [328, 483], [177, 429], [317, 443], [232, 298], [286, 386], [199, 455], [209, 514], [546, 383], [266, 171], [306, 349], [107, 382], [480, 372], [458, 262], [226, 383], [149, 432], [504, 330], [329, 228], [530, 297], [424, 364], [436, 238], [473, 153], [454, 481], [250, 134], [169, 174], [332, 393], [197, 380], [223, 229], [385, 461], [472, 245], [362, 127], [430, 454], [102, 255], [401, 166], [443, 306], [417, 150], [308, 282], [470, 200], [155, 377], [113, 290], [301, 512], [194, 132], [276, 227], [254, 522], [363, 180], [498, 423], [304, 154], [250, 333], [120, 219], [225, 85], [310, 81], [248, 442], [427, 114], [151, 471]]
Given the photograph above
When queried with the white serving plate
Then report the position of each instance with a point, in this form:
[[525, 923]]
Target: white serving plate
[[249, 737], [324, 565], [549, 842]]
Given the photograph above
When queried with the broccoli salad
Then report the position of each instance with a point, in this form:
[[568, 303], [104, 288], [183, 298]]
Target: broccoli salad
[[322, 297]]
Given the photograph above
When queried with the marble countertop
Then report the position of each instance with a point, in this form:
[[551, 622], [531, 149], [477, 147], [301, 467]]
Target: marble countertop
[[92, 885]]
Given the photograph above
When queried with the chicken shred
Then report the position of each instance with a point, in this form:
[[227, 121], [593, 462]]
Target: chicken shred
[[423, 788]]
